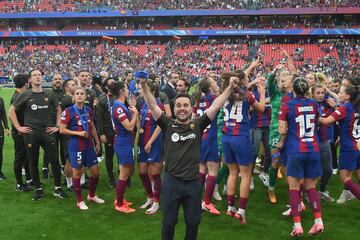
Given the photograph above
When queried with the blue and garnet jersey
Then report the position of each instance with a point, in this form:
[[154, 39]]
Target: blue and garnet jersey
[[349, 125], [121, 113], [258, 120], [210, 132], [148, 124], [236, 115], [287, 97], [301, 115], [325, 133], [74, 122]]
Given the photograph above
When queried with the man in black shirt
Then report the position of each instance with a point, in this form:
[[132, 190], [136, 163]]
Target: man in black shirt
[[20, 158], [3, 121], [182, 142], [59, 93], [38, 129], [106, 128]]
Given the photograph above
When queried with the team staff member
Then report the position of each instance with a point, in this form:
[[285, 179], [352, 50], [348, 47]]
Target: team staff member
[[20, 158], [57, 89], [298, 120], [106, 127], [182, 142], [3, 121], [38, 129], [77, 122]]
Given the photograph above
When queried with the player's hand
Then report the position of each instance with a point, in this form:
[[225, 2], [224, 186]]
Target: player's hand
[[7, 132], [147, 148], [280, 145], [285, 53], [51, 130], [234, 81], [95, 103], [331, 102], [97, 147], [255, 63], [24, 130], [83, 134], [103, 138], [279, 67], [133, 110], [132, 100], [261, 89]]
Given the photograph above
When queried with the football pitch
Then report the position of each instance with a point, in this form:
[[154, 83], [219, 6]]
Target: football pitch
[[53, 218]]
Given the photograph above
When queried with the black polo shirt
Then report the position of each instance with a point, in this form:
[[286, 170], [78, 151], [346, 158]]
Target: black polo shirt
[[37, 107], [182, 145]]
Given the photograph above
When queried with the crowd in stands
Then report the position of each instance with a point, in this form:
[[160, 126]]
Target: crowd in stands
[[190, 57], [11, 6], [178, 23]]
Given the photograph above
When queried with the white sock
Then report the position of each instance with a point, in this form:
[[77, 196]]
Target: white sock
[[82, 179], [297, 224], [153, 186], [69, 182], [318, 220]]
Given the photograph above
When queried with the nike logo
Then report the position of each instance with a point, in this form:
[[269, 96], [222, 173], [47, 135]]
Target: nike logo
[[31, 100], [174, 126]]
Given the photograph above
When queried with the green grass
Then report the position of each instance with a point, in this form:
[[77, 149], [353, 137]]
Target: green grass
[[52, 218]]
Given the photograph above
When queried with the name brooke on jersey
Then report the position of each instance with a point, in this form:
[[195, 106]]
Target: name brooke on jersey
[[176, 137], [306, 109]]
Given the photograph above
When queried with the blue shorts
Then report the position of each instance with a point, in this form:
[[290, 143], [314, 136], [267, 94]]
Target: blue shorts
[[237, 150], [209, 151], [304, 165], [349, 160], [153, 157], [86, 158], [124, 153], [284, 156]]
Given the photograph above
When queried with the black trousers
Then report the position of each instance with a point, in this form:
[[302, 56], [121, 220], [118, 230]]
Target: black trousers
[[35, 140], [177, 192], [59, 148], [20, 158], [2, 139], [109, 157]]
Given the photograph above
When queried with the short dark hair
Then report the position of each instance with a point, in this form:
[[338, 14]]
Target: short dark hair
[[35, 69], [65, 83], [182, 95], [20, 80], [83, 71], [187, 83]]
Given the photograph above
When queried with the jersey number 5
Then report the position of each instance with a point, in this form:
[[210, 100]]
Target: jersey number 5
[[306, 127]]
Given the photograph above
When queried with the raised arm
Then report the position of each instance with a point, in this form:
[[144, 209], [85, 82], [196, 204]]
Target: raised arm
[[252, 66], [290, 62], [221, 99], [150, 101]]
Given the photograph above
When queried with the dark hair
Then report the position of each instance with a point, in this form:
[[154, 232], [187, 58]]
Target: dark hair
[[336, 80], [152, 76], [104, 84], [353, 81], [83, 71], [352, 91], [35, 69], [239, 89], [313, 88], [20, 80], [184, 95], [154, 88], [65, 83], [300, 86], [116, 87], [202, 87]]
